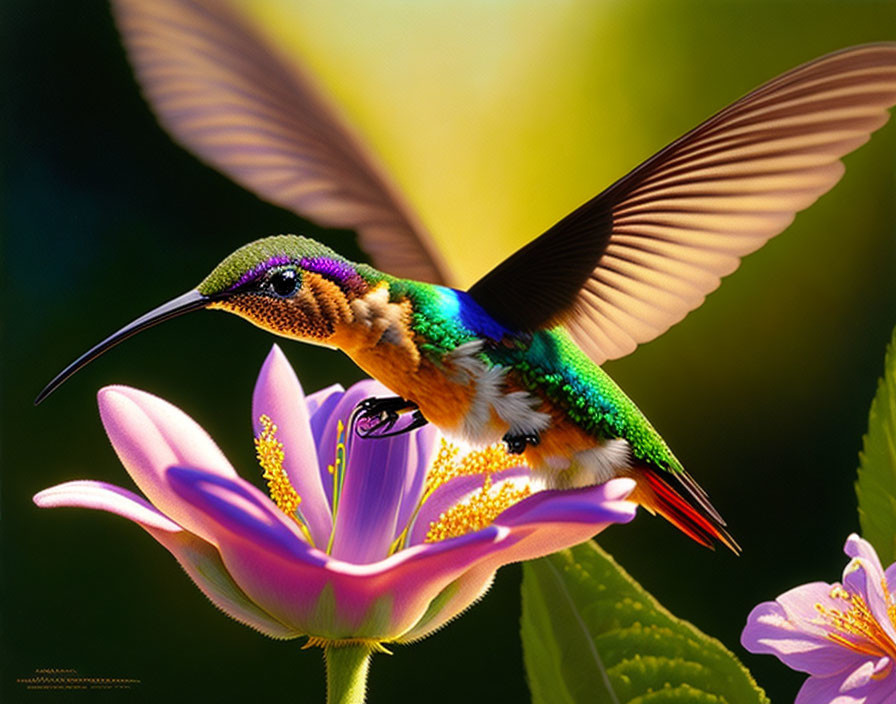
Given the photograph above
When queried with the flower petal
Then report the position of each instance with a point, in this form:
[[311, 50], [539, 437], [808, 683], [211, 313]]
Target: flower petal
[[342, 411], [149, 435], [199, 559], [791, 629], [568, 509], [862, 685], [538, 525], [312, 592], [824, 690], [557, 519], [890, 576], [278, 394], [235, 507], [554, 520], [422, 444], [320, 406], [367, 513], [456, 598], [106, 497], [451, 493], [202, 563]]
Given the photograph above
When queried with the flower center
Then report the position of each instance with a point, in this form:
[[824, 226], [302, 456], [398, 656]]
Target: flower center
[[447, 466], [482, 506], [270, 455], [477, 511], [856, 628]]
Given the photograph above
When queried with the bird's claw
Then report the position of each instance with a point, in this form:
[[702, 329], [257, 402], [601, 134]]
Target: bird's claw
[[516, 444], [417, 421], [377, 417]]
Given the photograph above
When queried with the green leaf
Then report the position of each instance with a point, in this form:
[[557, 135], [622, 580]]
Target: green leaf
[[592, 634], [876, 485]]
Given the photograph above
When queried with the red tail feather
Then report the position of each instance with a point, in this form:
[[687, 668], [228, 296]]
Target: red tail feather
[[691, 513]]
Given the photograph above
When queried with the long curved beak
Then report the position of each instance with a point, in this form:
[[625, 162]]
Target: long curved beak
[[192, 300]]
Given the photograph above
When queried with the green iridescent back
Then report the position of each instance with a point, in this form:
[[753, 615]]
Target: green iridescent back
[[554, 366]]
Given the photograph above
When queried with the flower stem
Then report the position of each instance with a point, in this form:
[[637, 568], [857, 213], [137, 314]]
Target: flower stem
[[347, 667]]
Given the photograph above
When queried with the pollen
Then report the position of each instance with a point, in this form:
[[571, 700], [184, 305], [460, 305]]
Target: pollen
[[480, 508], [478, 511], [446, 465], [855, 626], [270, 454]]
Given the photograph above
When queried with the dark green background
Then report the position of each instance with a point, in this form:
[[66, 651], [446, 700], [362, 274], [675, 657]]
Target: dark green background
[[763, 393]]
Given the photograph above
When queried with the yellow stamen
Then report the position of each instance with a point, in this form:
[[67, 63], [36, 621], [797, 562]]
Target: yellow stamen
[[489, 460], [270, 455], [856, 628], [486, 503], [337, 469], [476, 512]]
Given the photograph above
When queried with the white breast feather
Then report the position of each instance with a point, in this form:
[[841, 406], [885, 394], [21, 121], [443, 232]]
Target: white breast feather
[[516, 408], [595, 465]]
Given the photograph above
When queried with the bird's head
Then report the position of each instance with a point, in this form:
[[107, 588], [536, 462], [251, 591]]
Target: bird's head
[[292, 286]]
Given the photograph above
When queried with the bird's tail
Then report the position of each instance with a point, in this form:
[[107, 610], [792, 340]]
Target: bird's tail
[[680, 500]]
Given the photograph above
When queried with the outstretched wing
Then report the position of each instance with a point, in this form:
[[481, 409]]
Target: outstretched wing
[[225, 95], [634, 260]]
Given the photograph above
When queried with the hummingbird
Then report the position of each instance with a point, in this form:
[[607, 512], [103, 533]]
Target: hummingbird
[[516, 357]]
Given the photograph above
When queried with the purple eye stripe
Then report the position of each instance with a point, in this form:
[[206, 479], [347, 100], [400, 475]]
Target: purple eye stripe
[[260, 268], [333, 269]]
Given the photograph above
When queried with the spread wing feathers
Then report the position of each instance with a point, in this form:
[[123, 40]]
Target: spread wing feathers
[[633, 261], [226, 96]]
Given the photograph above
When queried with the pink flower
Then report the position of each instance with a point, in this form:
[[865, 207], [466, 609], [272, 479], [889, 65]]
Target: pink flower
[[842, 634], [413, 536]]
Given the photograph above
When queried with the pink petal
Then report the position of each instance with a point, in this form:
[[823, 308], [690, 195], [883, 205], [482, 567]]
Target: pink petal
[[463, 593], [323, 596], [202, 563], [549, 521], [863, 675], [237, 507], [199, 559], [574, 510], [858, 686], [824, 690], [106, 497], [367, 514], [451, 493], [313, 592], [278, 394], [792, 629], [149, 435], [539, 525], [800, 606]]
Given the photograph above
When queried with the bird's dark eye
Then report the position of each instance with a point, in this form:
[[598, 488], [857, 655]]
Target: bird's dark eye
[[284, 282]]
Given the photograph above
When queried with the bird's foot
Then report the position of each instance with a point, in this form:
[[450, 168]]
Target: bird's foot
[[378, 417], [516, 444]]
